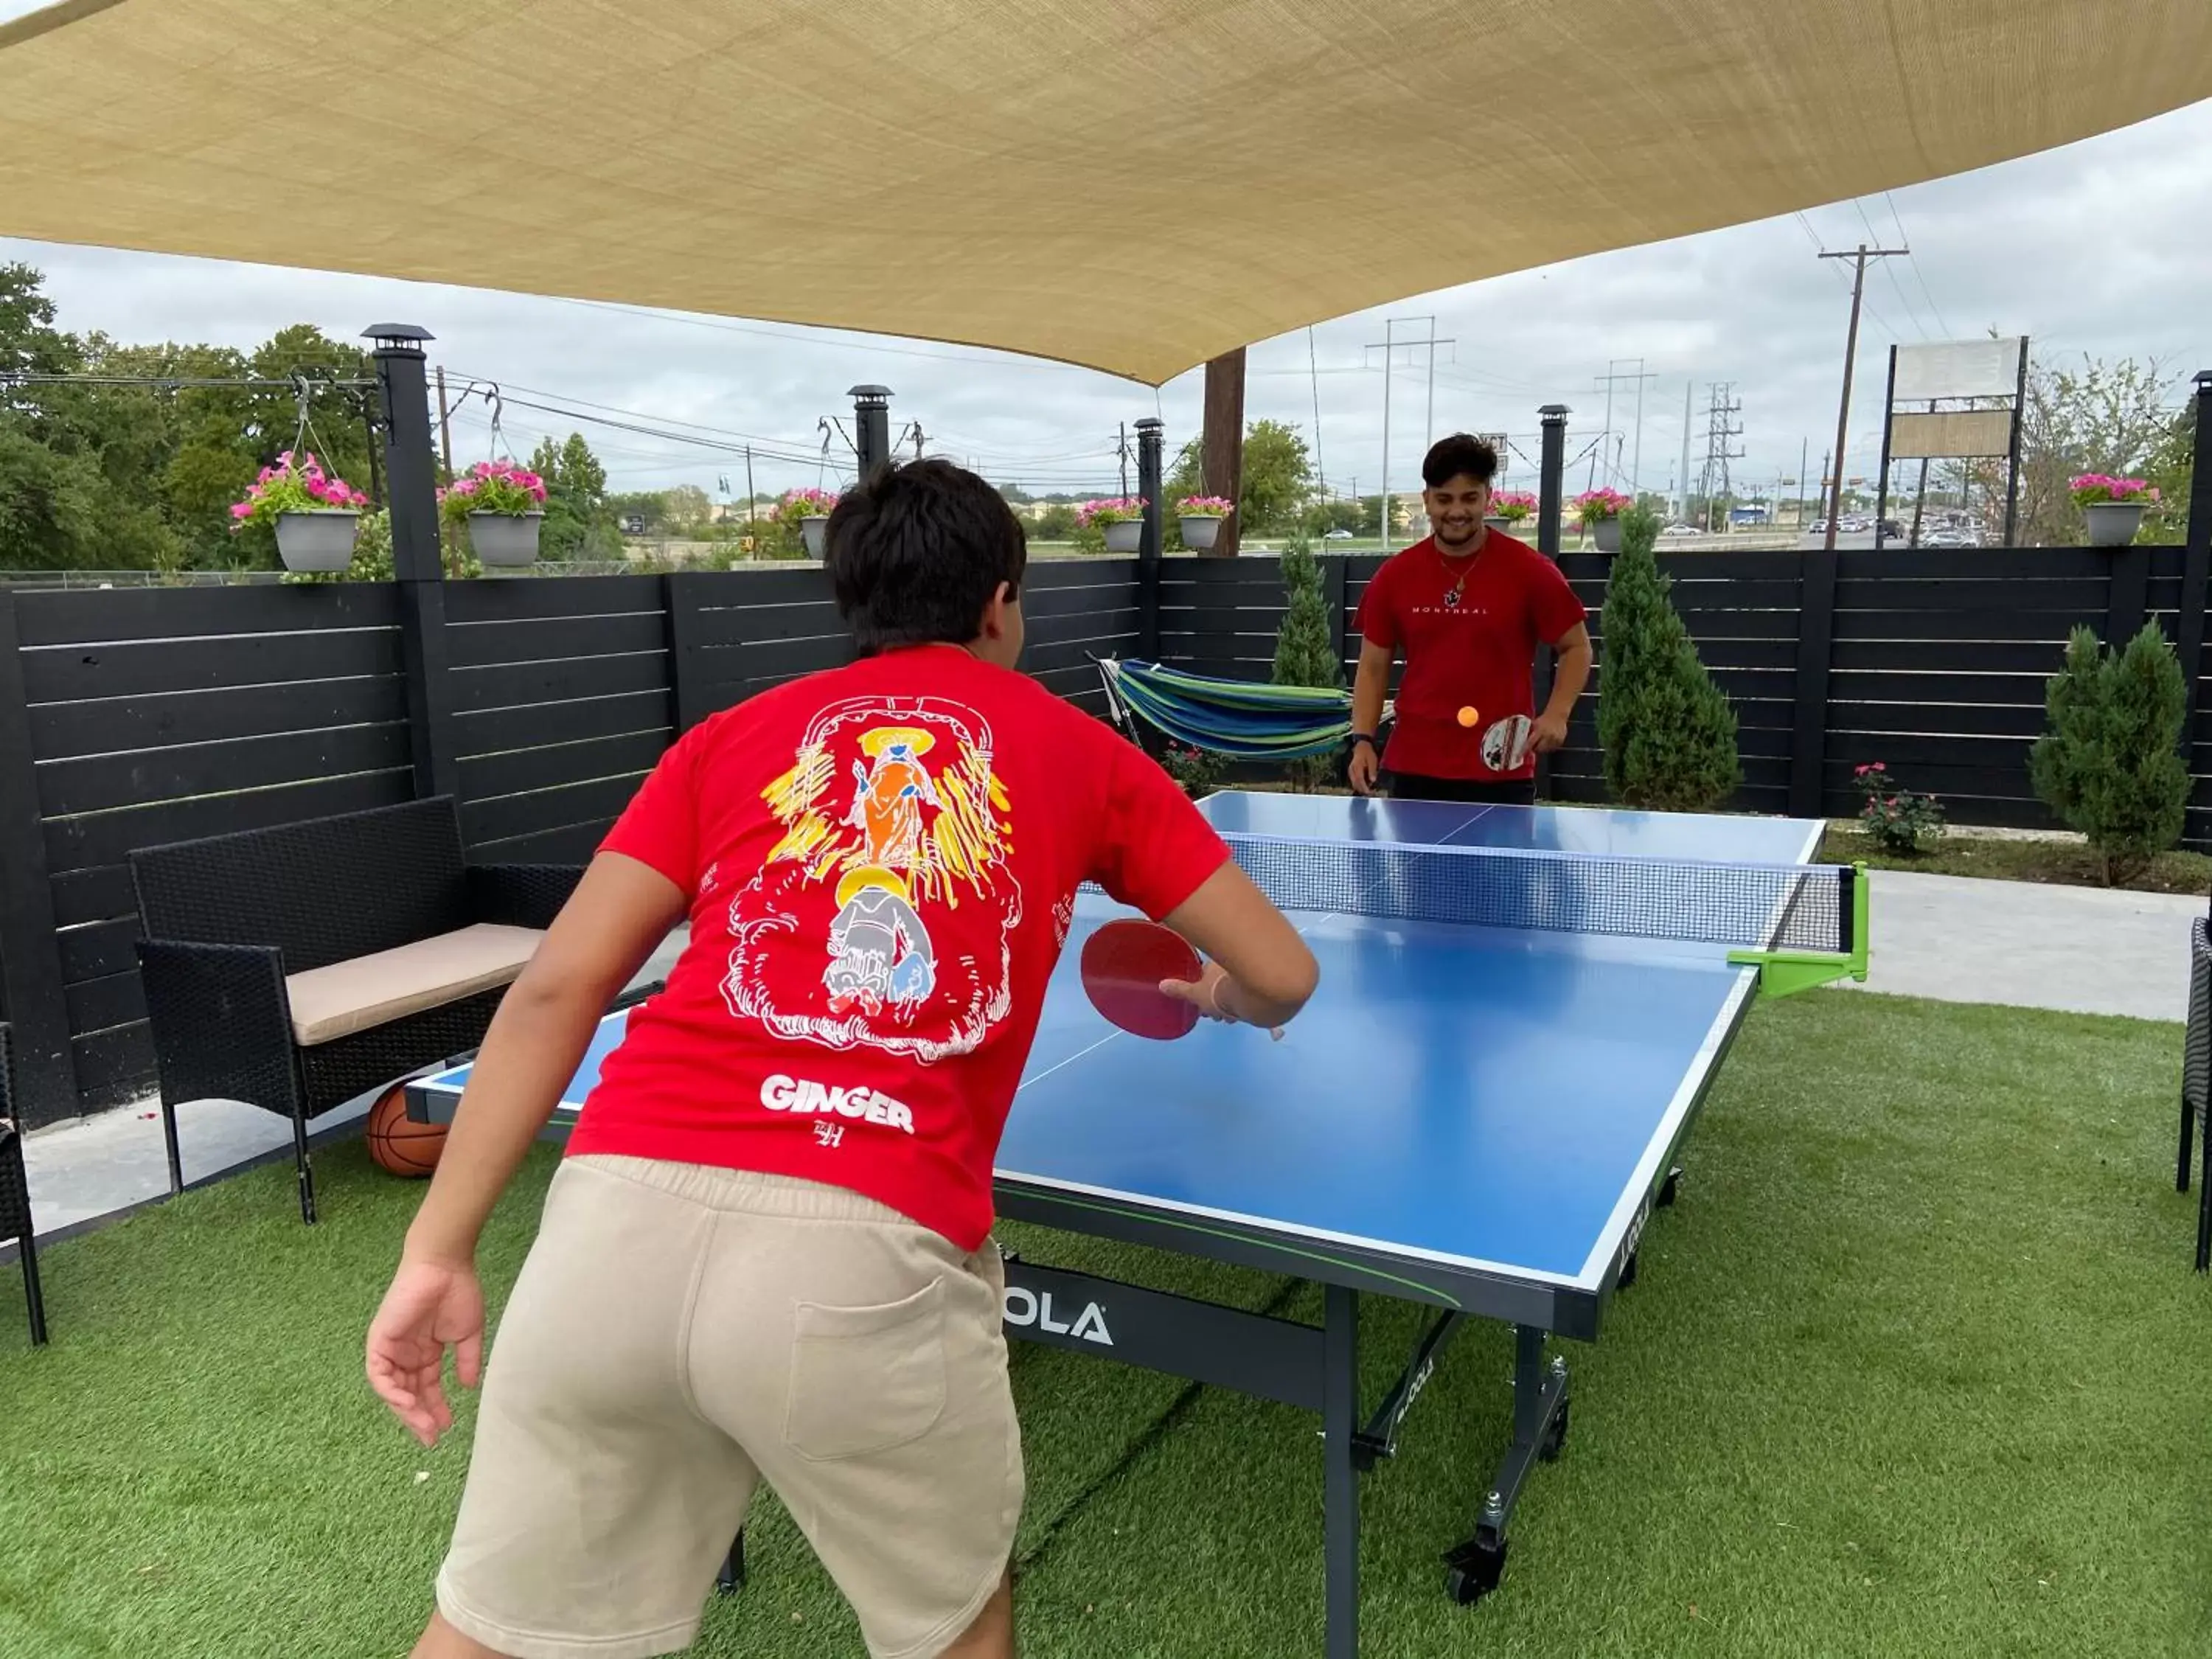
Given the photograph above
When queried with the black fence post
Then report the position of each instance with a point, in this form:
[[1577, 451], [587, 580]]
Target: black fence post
[[1551, 488], [1816, 638], [2127, 599], [682, 591], [2196, 569], [872, 429], [1551, 503], [1149, 431], [31, 996], [410, 469]]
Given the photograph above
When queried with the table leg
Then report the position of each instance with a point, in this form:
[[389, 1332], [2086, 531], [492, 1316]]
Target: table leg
[[1540, 1430], [732, 1578], [1341, 1482]]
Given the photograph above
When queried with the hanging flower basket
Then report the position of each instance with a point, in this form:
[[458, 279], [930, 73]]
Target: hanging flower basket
[[1509, 510], [2112, 508], [1199, 519], [315, 514], [318, 538], [809, 510], [1600, 511], [505, 538], [1120, 519], [502, 507]]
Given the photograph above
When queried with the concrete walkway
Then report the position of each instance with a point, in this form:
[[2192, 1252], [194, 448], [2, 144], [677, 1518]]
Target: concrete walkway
[[1955, 938], [2082, 950]]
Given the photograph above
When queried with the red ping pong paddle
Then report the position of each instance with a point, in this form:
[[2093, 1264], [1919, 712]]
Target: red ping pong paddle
[[1124, 963]]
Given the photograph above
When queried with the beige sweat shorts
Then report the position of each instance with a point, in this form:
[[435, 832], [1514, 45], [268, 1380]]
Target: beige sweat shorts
[[678, 1334]]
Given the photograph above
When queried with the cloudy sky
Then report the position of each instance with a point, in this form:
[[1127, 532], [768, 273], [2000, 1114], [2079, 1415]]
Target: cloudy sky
[[2097, 248]]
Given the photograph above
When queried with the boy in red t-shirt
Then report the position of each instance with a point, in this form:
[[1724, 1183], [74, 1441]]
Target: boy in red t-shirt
[[1468, 607], [767, 1253]]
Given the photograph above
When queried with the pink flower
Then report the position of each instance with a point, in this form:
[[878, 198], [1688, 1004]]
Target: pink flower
[[241, 510]]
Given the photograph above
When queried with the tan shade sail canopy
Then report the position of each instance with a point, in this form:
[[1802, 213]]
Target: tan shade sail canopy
[[1133, 185]]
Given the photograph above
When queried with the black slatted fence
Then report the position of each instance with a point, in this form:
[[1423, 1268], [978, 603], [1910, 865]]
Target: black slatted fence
[[133, 717]]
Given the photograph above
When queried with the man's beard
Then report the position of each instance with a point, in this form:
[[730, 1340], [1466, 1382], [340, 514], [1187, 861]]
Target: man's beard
[[1447, 537]]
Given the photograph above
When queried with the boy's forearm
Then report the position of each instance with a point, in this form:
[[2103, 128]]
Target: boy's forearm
[[535, 1043], [1368, 686]]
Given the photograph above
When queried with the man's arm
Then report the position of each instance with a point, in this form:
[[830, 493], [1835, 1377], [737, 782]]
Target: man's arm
[[1571, 672], [618, 915], [1371, 685]]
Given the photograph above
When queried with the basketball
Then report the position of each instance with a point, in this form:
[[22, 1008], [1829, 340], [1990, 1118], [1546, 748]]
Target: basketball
[[398, 1143]]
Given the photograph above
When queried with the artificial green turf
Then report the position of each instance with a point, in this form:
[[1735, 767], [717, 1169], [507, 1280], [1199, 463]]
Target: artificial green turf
[[1915, 1367]]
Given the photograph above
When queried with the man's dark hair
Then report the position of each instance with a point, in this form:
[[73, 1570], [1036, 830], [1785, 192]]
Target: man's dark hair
[[915, 552], [1461, 454]]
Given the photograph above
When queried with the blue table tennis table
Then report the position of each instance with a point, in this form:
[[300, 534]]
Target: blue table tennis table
[[1520, 1011]]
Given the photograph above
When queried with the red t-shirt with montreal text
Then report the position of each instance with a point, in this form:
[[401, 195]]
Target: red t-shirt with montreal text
[[1469, 629], [882, 863]]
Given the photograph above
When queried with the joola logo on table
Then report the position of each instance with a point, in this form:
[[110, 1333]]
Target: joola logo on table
[[784, 1094], [1027, 1307]]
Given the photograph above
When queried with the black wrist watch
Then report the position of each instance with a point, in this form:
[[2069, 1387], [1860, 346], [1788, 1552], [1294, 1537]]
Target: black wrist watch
[[1359, 738]]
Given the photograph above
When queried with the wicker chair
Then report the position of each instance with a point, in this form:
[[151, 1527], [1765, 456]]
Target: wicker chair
[[232, 923], [2197, 1086], [16, 1194]]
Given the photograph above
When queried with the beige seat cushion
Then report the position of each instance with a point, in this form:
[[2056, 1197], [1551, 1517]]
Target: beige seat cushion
[[346, 997]]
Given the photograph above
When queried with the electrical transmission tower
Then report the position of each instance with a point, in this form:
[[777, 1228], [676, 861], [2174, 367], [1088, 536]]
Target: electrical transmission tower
[[1722, 407]]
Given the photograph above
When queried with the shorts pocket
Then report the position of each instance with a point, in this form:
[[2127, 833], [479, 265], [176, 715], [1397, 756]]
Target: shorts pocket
[[865, 1380]]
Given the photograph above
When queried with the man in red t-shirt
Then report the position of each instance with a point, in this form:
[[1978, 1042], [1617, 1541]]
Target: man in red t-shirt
[[1467, 607], [767, 1254]]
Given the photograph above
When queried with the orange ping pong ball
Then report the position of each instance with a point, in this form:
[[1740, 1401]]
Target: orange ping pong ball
[[1467, 716]]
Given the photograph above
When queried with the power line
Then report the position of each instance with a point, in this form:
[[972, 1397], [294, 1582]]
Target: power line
[[1913, 259]]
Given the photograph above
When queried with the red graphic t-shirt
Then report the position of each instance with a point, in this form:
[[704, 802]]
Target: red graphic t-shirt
[[882, 862], [1469, 629]]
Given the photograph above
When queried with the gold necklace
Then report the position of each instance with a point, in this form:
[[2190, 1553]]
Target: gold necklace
[[1452, 593]]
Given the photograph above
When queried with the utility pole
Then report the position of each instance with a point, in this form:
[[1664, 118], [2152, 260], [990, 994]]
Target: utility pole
[[1720, 427], [1688, 387], [1803, 446], [1605, 380], [1851, 354], [1121, 448], [1388, 349], [445, 425]]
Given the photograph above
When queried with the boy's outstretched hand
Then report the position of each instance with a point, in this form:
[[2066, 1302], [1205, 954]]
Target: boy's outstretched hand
[[1206, 993], [431, 1306]]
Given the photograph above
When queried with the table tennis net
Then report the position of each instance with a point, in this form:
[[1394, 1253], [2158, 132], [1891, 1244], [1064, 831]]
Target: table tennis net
[[1750, 906]]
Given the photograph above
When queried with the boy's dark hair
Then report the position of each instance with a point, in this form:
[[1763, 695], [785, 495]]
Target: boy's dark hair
[[915, 552], [1462, 453]]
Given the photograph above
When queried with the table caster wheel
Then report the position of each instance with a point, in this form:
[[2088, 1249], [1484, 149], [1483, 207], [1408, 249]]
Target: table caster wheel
[[1628, 1272], [1670, 1188], [1555, 1435], [1472, 1570]]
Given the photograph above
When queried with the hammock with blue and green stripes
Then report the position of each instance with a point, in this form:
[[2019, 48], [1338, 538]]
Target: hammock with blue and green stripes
[[1242, 719]]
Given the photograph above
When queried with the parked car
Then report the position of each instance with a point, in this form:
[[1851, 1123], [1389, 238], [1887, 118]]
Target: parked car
[[1681, 530], [1337, 535]]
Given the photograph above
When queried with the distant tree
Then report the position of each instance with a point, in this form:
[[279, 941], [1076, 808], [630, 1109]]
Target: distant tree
[[1056, 523], [2117, 417], [1304, 653], [1668, 735], [685, 508], [579, 524]]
